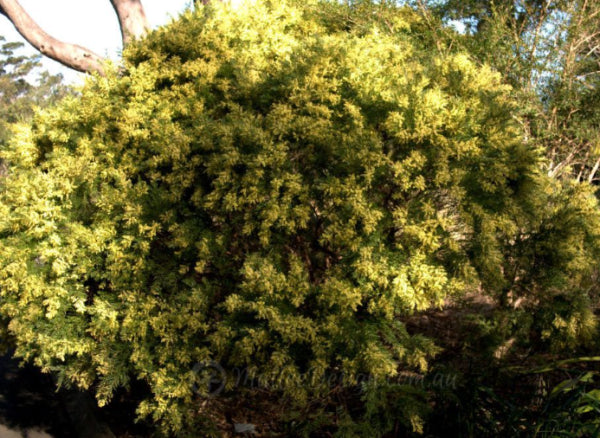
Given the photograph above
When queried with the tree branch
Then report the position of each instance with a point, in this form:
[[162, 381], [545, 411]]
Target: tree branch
[[132, 19], [71, 55]]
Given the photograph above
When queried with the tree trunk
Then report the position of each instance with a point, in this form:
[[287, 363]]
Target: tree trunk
[[132, 19], [71, 55]]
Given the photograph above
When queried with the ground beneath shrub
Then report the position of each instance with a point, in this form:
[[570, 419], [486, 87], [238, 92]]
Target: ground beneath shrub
[[31, 407], [28, 403]]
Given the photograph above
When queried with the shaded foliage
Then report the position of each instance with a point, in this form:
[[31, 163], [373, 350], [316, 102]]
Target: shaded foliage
[[549, 52]]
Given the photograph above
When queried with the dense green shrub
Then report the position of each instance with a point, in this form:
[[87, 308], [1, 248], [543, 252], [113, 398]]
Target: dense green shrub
[[272, 188]]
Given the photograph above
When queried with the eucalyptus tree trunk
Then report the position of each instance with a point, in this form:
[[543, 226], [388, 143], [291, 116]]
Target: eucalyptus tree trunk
[[132, 21]]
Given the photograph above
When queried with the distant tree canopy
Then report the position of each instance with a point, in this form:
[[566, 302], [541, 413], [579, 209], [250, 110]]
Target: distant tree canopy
[[549, 51], [276, 188], [19, 92]]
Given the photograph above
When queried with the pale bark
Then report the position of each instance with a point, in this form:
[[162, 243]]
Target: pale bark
[[71, 55], [132, 19]]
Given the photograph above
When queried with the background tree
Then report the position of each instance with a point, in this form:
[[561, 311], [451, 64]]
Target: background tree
[[18, 95], [132, 21], [572, 99], [548, 51]]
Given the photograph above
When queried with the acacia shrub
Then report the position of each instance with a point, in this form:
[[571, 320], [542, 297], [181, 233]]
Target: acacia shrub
[[272, 187]]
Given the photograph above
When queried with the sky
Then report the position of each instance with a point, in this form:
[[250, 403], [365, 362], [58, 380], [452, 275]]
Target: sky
[[89, 23]]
